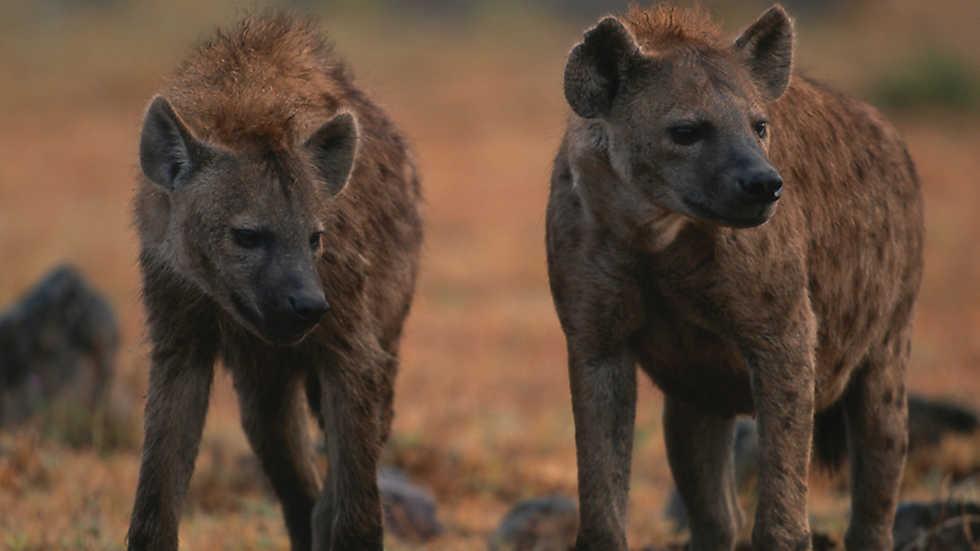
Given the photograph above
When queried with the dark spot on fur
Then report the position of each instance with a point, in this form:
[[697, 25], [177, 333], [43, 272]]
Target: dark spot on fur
[[858, 170], [886, 504], [344, 346], [880, 251], [814, 283], [330, 103]]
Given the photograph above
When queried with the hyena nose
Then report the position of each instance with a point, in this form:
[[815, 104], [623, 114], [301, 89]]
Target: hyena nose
[[762, 186], [309, 308]]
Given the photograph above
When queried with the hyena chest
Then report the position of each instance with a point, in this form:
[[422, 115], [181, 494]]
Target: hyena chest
[[692, 363]]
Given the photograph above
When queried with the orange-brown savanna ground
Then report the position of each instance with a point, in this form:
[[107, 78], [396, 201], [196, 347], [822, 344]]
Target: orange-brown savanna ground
[[483, 410]]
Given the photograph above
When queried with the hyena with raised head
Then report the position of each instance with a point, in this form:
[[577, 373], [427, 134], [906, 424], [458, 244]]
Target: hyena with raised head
[[279, 222], [667, 249]]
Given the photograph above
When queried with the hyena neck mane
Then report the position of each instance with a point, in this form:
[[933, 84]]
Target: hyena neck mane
[[271, 81], [664, 27]]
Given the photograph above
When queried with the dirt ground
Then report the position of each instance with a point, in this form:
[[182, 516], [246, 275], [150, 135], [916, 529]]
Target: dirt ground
[[483, 415]]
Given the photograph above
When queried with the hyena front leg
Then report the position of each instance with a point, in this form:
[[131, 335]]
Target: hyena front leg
[[699, 448], [348, 512], [604, 407], [184, 349], [877, 415], [783, 376]]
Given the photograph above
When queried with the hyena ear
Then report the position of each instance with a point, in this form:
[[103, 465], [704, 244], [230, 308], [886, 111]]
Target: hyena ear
[[333, 148], [169, 152], [767, 48], [597, 66]]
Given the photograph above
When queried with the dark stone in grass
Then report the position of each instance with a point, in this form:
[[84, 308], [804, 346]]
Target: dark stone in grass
[[823, 542], [540, 524], [409, 510], [820, 542], [930, 420], [937, 526]]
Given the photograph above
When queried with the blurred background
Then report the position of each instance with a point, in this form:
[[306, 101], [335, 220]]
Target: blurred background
[[483, 416]]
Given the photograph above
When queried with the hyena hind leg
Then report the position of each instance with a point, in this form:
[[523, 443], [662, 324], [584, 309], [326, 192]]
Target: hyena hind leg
[[347, 514], [876, 409], [274, 420], [700, 452]]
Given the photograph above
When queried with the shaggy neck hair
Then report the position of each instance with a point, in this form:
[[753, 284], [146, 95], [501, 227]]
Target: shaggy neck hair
[[663, 27]]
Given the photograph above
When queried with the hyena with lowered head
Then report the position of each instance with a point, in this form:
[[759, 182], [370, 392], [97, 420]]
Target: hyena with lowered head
[[279, 223], [753, 241]]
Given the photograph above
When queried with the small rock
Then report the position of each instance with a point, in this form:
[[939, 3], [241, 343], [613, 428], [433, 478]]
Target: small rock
[[746, 451], [937, 526], [930, 420], [823, 542], [819, 541], [966, 488], [409, 510], [668, 547], [539, 524]]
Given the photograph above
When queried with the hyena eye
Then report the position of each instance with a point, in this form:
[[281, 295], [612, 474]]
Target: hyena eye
[[761, 128], [247, 238], [686, 134], [315, 240]]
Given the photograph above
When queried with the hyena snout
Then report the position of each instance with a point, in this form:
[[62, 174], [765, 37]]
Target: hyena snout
[[746, 195], [308, 307], [759, 186], [292, 310]]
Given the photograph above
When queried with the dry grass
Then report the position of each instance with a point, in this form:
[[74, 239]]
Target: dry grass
[[483, 413]]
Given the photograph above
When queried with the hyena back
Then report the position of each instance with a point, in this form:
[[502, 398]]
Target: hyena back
[[279, 225], [753, 241]]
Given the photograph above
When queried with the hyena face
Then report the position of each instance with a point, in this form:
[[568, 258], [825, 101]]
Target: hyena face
[[244, 226], [686, 127]]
